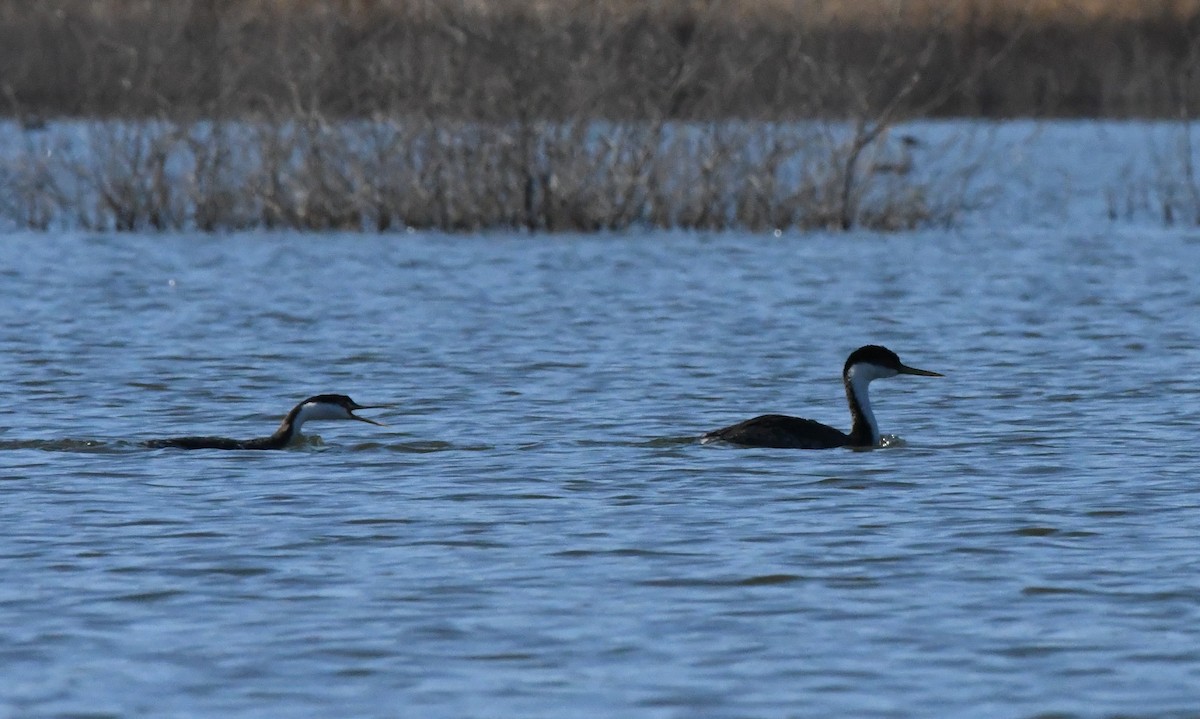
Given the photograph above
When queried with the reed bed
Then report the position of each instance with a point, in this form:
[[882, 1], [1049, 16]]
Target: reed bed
[[539, 176], [543, 115], [672, 59]]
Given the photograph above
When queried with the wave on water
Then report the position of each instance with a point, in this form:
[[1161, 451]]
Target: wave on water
[[64, 445]]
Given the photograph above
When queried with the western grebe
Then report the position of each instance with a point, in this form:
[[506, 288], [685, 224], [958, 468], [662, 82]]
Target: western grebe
[[776, 430], [322, 406]]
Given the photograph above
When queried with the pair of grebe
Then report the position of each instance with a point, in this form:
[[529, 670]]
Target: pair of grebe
[[769, 430]]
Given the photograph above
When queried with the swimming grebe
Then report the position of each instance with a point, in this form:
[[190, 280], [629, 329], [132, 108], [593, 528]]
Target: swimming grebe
[[322, 406], [776, 430]]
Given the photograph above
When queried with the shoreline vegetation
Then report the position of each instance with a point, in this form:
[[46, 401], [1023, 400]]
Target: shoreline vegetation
[[545, 115]]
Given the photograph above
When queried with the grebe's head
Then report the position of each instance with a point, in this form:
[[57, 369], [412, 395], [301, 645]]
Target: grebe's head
[[875, 362], [332, 406]]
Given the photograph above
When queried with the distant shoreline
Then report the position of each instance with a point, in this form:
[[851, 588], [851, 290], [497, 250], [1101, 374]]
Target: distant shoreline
[[613, 59]]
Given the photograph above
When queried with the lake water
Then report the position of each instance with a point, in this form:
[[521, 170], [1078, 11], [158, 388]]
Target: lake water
[[538, 534]]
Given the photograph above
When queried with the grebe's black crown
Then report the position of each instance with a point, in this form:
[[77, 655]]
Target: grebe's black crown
[[340, 400], [873, 354]]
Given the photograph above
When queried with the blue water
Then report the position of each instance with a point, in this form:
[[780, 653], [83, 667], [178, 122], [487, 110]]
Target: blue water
[[537, 534]]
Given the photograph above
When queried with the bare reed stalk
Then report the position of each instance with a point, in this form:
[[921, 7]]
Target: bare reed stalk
[[1187, 117], [1173, 192], [127, 173], [31, 194]]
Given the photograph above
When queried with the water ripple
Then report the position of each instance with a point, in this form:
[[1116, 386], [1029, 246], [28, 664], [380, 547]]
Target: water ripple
[[539, 533]]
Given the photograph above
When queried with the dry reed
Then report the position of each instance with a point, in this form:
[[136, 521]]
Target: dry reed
[[572, 114], [466, 176], [676, 59]]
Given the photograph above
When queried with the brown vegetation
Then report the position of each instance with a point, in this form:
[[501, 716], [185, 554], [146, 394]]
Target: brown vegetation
[[464, 176], [611, 58], [544, 114]]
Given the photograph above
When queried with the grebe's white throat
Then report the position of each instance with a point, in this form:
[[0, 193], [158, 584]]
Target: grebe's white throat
[[858, 379]]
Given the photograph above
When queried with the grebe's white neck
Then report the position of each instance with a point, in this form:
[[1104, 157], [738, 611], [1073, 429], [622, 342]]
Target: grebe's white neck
[[858, 377]]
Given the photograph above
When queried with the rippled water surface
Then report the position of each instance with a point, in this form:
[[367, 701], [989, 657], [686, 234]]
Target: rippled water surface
[[537, 534]]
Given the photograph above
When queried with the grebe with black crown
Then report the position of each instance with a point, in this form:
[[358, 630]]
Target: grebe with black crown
[[322, 406], [776, 430]]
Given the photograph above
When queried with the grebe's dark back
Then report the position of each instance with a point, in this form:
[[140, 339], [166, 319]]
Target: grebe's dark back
[[776, 430], [322, 406]]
